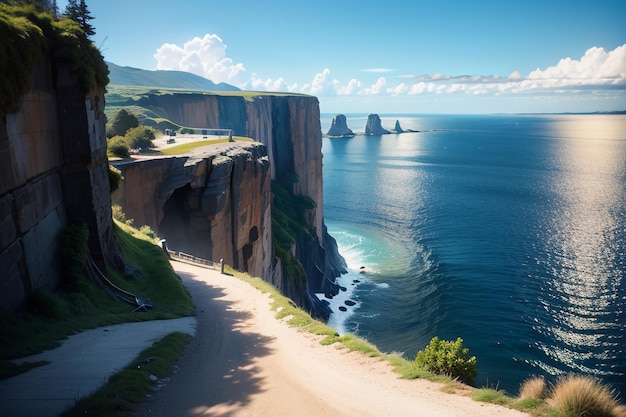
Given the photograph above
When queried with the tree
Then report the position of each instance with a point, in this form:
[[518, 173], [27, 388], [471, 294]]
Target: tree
[[121, 123], [140, 138], [77, 11]]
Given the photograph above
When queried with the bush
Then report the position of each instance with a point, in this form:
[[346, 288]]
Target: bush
[[119, 215], [448, 358], [117, 146], [578, 396], [122, 122], [147, 230], [140, 137], [533, 388]]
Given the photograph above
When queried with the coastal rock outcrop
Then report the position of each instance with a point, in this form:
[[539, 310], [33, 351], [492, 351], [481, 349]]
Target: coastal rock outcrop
[[339, 128], [374, 127]]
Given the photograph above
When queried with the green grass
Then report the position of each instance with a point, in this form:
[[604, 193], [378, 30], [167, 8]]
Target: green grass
[[188, 147], [127, 388], [493, 396], [52, 316]]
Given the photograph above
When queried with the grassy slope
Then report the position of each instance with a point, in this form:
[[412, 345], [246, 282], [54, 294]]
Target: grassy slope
[[53, 316]]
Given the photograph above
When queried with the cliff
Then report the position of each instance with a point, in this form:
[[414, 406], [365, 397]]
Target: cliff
[[226, 195], [214, 204], [54, 172]]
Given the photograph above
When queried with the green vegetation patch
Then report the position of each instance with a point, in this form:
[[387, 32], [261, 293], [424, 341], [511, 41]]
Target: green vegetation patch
[[288, 223], [184, 148], [83, 304], [127, 388], [26, 34]]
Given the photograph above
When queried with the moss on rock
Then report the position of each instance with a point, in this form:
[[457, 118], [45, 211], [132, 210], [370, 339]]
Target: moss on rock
[[26, 33]]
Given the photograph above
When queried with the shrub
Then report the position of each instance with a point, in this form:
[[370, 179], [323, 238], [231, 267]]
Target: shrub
[[140, 137], [119, 215], [448, 358], [147, 230], [577, 396], [117, 146], [533, 388], [121, 123]]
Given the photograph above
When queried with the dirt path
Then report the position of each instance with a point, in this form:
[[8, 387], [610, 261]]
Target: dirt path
[[244, 362]]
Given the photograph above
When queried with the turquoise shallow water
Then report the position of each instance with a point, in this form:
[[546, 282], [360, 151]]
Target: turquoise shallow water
[[508, 231]]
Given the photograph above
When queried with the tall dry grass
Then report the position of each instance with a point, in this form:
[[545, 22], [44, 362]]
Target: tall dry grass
[[533, 388], [583, 396]]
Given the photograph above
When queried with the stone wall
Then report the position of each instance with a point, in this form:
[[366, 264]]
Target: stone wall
[[53, 172]]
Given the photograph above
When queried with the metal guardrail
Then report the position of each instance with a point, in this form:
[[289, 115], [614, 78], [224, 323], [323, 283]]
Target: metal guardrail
[[124, 295], [185, 257]]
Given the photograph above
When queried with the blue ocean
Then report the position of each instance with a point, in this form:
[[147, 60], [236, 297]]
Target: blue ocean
[[508, 231]]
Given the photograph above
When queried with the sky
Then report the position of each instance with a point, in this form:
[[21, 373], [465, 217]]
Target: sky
[[392, 56]]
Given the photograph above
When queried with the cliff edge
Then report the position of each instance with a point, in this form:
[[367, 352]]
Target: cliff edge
[[257, 206]]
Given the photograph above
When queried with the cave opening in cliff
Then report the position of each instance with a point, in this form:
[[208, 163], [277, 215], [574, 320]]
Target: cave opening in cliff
[[178, 228]]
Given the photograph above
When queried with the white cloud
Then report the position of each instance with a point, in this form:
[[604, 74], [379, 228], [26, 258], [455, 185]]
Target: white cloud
[[205, 57], [596, 67], [353, 86], [377, 87], [597, 71]]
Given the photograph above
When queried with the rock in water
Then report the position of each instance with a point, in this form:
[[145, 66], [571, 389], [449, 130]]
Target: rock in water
[[374, 126], [339, 128]]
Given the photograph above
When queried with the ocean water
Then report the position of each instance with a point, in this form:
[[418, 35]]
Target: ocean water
[[508, 231]]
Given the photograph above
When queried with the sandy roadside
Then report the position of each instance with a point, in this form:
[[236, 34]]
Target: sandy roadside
[[245, 362]]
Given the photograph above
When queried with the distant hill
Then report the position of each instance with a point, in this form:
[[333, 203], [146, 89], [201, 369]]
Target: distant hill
[[163, 79]]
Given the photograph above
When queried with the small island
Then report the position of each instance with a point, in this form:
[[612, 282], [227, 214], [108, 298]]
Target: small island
[[339, 127]]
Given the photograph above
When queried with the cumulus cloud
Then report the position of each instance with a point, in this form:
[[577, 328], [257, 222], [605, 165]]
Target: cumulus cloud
[[595, 66], [205, 57], [596, 70]]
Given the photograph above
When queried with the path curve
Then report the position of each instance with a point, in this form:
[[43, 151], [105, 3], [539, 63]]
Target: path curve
[[245, 362]]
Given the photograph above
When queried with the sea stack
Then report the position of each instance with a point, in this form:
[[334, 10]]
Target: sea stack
[[398, 129], [374, 127], [339, 128]]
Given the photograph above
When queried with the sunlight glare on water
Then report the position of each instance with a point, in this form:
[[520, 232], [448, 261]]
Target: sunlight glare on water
[[585, 248]]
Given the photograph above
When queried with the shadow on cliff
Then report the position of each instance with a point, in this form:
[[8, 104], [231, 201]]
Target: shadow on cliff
[[217, 374]]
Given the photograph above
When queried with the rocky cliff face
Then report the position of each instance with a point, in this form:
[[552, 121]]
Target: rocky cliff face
[[214, 204], [226, 196], [54, 172]]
